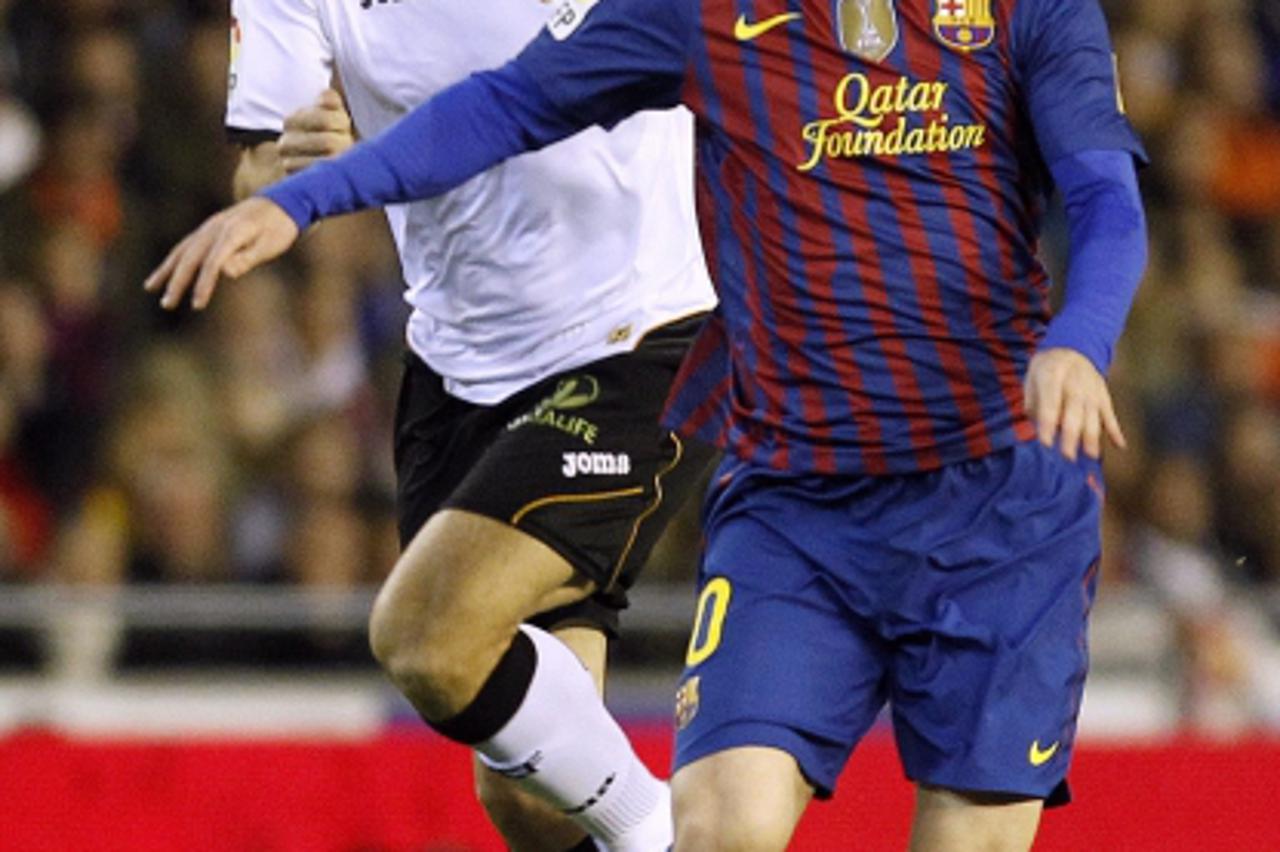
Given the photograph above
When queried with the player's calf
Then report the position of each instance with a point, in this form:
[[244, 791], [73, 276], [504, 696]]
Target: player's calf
[[527, 823]]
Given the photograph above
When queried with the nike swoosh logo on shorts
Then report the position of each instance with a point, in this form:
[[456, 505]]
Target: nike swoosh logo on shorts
[[1038, 756]]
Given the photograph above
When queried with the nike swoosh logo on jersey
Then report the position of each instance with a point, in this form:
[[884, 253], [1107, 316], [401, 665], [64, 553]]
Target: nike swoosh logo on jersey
[[746, 31]]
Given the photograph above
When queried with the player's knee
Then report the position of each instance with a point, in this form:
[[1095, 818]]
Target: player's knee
[[730, 835], [385, 635], [388, 636], [705, 825], [963, 821], [408, 641], [434, 650]]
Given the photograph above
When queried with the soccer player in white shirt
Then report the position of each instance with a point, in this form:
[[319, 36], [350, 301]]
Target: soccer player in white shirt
[[552, 299]]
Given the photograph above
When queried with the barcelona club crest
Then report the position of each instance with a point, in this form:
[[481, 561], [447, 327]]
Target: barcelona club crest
[[868, 28], [687, 700], [964, 24]]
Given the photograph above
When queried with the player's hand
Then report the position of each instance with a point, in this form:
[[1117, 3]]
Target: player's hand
[[1068, 400], [318, 132], [230, 243]]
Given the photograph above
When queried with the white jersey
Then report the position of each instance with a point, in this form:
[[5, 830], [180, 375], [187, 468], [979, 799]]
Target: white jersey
[[541, 264]]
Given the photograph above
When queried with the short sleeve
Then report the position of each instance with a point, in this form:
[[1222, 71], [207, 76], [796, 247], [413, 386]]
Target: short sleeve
[[281, 61], [599, 61], [1068, 70]]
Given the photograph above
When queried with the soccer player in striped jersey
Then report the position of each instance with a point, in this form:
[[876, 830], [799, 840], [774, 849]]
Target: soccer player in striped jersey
[[552, 300], [908, 509]]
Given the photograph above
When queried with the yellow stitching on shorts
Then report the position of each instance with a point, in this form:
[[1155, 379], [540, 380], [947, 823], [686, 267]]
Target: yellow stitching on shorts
[[653, 507], [573, 498]]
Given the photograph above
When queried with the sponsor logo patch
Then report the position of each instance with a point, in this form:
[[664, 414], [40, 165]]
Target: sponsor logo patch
[[904, 117], [595, 464], [567, 17], [571, 394]]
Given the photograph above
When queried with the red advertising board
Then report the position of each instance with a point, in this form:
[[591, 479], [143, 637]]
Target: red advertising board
[[411, 792]]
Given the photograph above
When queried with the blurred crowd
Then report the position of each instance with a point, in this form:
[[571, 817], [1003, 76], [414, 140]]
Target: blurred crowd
[[251, 444], [1193, 510], [247, 445]]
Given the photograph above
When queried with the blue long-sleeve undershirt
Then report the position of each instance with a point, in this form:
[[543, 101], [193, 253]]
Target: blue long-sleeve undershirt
[[1108, 252]]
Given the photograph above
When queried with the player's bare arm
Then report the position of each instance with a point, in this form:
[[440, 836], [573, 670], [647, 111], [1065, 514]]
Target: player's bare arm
[[311, 134], [317, 132], [230, 243], [258, 167]]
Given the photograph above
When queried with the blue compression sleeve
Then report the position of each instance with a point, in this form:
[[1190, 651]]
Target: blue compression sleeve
[[1108, 252], [464, 130]]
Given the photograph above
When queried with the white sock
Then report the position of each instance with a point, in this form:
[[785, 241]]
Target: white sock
[[563, 745]]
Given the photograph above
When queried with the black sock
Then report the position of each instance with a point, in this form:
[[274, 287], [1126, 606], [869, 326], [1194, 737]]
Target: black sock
[[587, 845], [499, 698]]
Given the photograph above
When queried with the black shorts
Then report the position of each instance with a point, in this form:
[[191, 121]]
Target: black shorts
[[578, 460]]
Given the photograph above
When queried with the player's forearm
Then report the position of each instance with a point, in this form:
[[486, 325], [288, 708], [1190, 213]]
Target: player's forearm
[[1108, 252], [258, 168], [461, 132]]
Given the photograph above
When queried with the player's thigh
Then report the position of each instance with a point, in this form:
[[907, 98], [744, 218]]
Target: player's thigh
[[747, 798], [776, 658], [953, 821], [578, 462], [465, 576], [990, 644], [468, 564], [584, 466]]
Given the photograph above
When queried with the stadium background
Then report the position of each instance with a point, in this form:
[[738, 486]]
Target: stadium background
[[194, 510]]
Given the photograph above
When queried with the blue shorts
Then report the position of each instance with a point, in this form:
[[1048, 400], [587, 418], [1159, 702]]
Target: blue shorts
[[958, 596]]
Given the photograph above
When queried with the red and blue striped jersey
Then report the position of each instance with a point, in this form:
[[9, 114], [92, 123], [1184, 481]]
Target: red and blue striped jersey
[[872, 177]]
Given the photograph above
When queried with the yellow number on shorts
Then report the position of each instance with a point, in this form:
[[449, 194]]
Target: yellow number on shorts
[[713, 603]]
